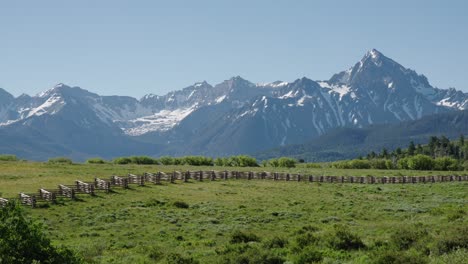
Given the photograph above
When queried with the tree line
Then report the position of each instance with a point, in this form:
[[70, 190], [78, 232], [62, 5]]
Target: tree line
[[439, 154], [232, 161]]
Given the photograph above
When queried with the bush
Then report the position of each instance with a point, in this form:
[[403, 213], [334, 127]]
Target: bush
[[313, 166], [360, 164], [283, 162], [95, 161], [241, 237], [306, 239], [378, 164], [249, 254], [445, 164], [166, 160], [402, 164], [23, 241], [453, 240], [236, 161], [420, 162], [276, 242], [405, 237], [122, 160], [286, 162], [241, 161], [341, 165], [60, 160], [182, 205], [7, 157], [398, 257], [196, 161], [343, 239], [309, 255], [143, 160], [176, 258]]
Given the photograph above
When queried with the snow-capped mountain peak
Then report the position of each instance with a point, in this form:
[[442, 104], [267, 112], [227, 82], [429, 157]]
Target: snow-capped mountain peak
[[374, 90]]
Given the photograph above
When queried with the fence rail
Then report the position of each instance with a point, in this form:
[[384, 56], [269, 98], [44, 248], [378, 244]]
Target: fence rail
[[70, 191]]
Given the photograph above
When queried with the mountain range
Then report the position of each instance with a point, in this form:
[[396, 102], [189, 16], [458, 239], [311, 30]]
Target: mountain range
[[232, 117]]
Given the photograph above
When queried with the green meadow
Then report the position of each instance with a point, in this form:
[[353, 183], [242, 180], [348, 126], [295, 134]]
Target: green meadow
[[257, 221]]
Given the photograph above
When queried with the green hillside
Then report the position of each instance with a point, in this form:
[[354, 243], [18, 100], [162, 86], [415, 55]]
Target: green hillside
[[257, 221]]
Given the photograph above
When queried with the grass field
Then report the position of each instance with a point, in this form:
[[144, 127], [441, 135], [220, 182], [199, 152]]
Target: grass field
[[238, 221]]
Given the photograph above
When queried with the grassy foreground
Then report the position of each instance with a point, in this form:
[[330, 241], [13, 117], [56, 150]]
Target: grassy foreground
[[250, 221]]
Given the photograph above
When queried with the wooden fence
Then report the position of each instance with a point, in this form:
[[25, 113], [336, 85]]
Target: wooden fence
[[70, 191]]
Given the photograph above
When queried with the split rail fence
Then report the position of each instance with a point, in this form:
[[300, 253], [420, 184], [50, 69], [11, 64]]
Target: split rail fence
[[105, 185]]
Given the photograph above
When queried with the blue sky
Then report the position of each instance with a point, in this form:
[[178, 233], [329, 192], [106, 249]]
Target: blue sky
[[139, 47]]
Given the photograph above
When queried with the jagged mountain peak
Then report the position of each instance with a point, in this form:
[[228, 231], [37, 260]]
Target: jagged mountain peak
[[201, 84], [66, 90], [5, 94], [238, 81], [374, 54]]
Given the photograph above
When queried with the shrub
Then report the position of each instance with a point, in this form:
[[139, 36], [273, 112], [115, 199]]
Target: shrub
[[8, 157], [378, 164], [236, 161], [402, 164], [241, 237], [286, 162], [182, 205], [465, 165], [360, 164], [95, 161], [309, 255], [420, 162], [283, 162], [404, 238], [276, 242], [341, 165], [166, 160], [453, 240], [60, 160], [176, 258], [445, 163], [221, 162], [390, 165], [197, 161], [122, 160], [273, 162], [343, 239], [143, 160], [241, 161], [249, 254], [306, 239], [313, 166], [457, 256], [23, 241], [398, 257]]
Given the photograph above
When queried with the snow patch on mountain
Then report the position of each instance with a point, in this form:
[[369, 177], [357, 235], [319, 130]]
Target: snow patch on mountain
[[340, 89], [51, 106], [277, 84], [160, 121]]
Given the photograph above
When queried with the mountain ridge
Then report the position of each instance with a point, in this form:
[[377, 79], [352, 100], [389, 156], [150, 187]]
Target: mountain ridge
[[238, 116]]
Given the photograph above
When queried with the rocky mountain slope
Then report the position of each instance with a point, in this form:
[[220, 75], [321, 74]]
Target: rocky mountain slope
[[235, 116], [350, 142]]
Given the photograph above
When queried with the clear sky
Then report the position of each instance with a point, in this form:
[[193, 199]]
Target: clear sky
[[114, 47]]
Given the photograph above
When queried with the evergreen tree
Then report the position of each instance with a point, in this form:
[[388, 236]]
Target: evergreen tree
[[419, 149], [384, 153], [411, 149], [433, 144]]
